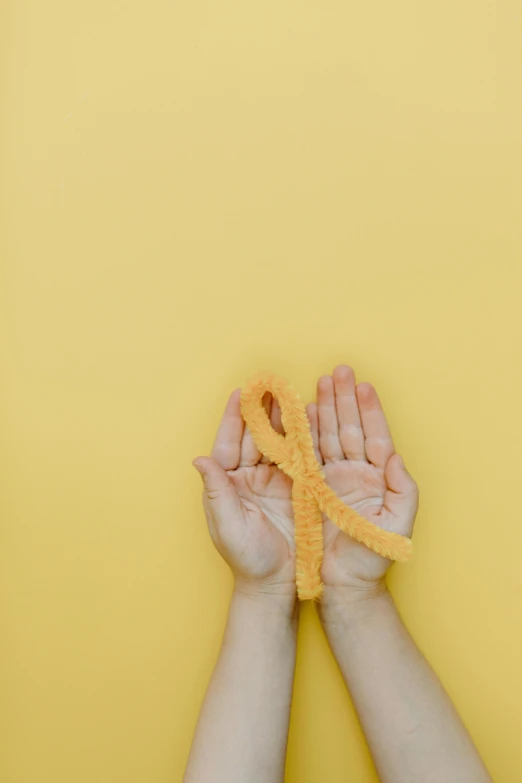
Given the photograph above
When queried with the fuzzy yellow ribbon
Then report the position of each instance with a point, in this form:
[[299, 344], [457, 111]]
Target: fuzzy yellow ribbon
[[294, 454]]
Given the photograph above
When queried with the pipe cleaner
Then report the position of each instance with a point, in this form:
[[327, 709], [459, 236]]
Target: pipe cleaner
[[294, 454]]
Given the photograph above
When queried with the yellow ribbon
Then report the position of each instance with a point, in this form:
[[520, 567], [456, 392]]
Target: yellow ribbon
[[294, 454]]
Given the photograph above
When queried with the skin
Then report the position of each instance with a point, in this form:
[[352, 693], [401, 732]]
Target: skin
[[413, 731], [242, 730], [412, 728]]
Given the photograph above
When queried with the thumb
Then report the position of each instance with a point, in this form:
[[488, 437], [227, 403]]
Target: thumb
[[397, 477], [219, 490], [402, 494]]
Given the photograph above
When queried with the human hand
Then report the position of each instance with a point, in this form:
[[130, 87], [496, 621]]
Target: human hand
[[248, 506], [353, 442]]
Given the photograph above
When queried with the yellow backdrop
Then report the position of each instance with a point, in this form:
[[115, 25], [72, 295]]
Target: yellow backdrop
[[195, 191]]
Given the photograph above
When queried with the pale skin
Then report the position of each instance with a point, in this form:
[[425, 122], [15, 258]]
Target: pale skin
[[412, 728]]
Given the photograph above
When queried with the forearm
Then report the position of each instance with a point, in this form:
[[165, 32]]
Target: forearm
[[412, 728], [242, 729]]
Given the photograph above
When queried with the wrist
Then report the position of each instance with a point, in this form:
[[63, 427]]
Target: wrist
[[343, 604], [270, 600]]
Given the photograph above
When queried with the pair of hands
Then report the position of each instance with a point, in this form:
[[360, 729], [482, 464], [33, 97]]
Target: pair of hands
[[248, 503]]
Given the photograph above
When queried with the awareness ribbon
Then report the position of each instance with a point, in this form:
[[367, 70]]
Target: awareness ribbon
[[294, 454]]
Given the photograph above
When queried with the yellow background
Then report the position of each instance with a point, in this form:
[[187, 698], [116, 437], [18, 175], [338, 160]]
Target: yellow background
[[192, 192]]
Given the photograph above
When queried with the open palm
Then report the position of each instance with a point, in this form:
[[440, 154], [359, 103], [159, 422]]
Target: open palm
[[248, 501], [353, 443]]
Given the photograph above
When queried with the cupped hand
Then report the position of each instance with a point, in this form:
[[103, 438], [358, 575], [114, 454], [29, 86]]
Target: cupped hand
[[354, 445], [248, 504]]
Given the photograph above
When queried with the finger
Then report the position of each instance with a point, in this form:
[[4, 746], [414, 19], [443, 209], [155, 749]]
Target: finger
[[402, 495], [378, 443], [329, 442], [277, 424], [311, 412], [351, 435], [250, 454], [275, 417], [220, 493], [227, 445]]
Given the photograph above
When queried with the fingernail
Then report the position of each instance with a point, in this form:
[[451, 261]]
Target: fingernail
[[401, 461], [198, 466]]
